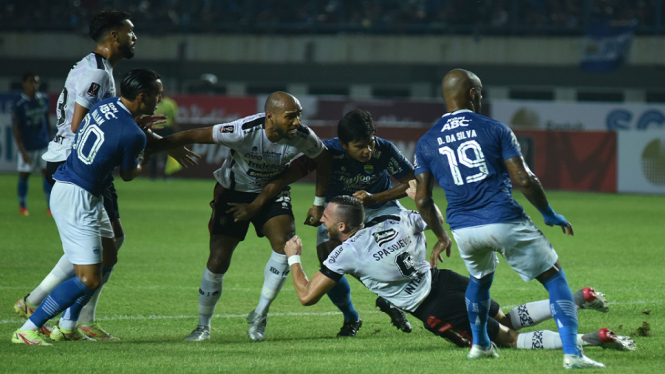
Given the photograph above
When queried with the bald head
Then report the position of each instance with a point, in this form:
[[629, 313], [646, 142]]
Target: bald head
[[280, 101], [462, 90], [283, 113]]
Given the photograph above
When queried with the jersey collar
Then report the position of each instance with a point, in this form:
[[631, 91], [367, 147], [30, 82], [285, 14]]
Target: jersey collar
[[123, 106], [457, 112]]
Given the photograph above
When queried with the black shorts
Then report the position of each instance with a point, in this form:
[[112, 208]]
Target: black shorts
[[110, 196], [444, 310], [221, 223]]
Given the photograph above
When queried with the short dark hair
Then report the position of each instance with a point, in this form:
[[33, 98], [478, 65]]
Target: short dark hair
[[136, 82], [356, 126], [27, 75], [349, 210], [106, 21]]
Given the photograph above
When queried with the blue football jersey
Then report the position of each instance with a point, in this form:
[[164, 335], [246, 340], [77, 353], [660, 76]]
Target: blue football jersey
[[465, 153], [108, 137], [32, 118], [349, 176]]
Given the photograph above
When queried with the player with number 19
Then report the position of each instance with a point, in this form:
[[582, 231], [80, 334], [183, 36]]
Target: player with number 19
[[109, 137]]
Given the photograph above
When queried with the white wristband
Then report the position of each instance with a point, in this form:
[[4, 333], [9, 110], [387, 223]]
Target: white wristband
[[295, 259], [319, 201]]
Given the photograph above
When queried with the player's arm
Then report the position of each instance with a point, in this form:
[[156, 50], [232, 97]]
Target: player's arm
[[132, 158], [432, 216], [324, 165], [79, 112], [16, 130], [396, 192], [180, 139], [182, 154], [296, 170], [309, 292], [530, 186]]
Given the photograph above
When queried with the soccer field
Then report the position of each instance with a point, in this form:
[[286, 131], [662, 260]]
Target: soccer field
[[151, 300]]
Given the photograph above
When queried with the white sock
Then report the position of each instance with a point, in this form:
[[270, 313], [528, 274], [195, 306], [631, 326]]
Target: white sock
[[543, 339], [118, 241], [28, 325], [88, 312], [62, 271], [530, 314], [274, 274], [209, 293]]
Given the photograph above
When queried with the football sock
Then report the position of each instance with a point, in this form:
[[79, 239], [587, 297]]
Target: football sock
[[564, 311], [22, 192], [47, 191], [87, 314], [545, 339], [274, 274], [63, 296], [62, 271], [69, 318], [209, 293], [478, 307], [530, 314], [340, 295], [118, 241]]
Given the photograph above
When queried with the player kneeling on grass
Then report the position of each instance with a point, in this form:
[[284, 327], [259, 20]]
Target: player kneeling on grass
[[108, 137], [390, 259]]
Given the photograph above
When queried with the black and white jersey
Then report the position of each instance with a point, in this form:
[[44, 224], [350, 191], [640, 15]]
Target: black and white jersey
[[390, 258], [253, 159], [89, 82]]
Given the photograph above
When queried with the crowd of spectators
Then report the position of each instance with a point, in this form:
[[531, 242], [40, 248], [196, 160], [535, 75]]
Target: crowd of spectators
[[334, 16]]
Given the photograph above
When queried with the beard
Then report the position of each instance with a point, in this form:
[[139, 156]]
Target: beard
[[126, 51], [334, 236]]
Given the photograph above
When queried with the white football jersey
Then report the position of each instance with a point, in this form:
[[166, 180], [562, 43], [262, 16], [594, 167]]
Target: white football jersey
[[89, 82], [390, 258], [253, 159]]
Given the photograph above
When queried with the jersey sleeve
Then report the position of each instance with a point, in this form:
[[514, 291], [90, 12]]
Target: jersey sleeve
[[310, 143], [92, 90], [228, 134], [398, 165], [420, 162], [414, 221], [17, 113], [341, 260], [510, 147], [133, 146]]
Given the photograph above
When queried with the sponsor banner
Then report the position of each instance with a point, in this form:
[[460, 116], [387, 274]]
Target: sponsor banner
[[211, 110], [530, 115], [641, 166]]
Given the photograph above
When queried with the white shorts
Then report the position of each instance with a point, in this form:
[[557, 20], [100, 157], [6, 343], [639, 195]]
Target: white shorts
[[79, 216], [36, 162], [390, 208], [522, 244]]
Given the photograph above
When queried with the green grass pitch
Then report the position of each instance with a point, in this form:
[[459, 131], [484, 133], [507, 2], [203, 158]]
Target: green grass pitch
[[151, 300]]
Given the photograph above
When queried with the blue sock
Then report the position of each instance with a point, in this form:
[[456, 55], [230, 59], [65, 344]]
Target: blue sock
[[340, 295], [564, 311], [478, 307], [47, 192], [22, 192], [63, 296]]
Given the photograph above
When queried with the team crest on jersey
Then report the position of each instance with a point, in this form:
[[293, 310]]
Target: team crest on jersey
[[227, 129], [383, 237], [94, 89], [369, 169]]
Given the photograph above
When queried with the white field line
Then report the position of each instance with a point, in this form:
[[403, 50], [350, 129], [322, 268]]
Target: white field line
[[291, 314]]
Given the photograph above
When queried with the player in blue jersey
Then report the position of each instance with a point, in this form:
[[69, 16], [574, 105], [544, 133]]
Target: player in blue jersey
[[472, 157], [362, 166], [108, 137], [32, 132]]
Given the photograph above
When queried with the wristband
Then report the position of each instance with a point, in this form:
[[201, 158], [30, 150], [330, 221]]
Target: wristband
[[319, 201], [295, 259]]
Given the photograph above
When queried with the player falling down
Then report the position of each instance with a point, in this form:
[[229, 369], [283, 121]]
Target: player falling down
[[89, 82], [109, 137], [261, 145], [471, 157], [389, 258], [362, 165]]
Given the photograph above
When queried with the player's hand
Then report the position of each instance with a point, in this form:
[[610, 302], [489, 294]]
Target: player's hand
[[314, 216], [366, 198], [411, 191], [293, 246], [439, 247], [151, 122], [26, 157], [552, 218], [184, 156], [242, 212]]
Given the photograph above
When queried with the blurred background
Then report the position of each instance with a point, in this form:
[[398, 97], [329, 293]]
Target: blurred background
[[582, 82]]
